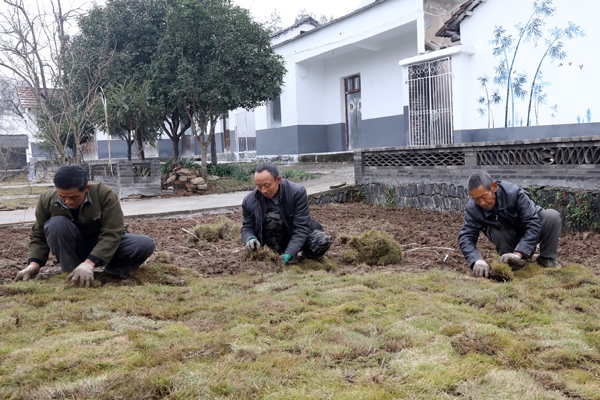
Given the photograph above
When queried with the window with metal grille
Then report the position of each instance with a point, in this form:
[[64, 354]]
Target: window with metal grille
[[430, 103]]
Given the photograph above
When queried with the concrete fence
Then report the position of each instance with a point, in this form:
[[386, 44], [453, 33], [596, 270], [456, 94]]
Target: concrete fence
[[560, 162], [128, 178]]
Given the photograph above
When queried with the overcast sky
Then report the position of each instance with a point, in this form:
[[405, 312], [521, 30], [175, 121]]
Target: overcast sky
[[261, 9]]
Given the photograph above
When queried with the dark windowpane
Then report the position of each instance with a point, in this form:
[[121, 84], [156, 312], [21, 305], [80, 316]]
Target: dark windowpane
[[275, 111]]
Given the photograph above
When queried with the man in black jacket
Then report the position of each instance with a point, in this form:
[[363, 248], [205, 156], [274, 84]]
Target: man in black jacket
[[276, 214], [511, 220]]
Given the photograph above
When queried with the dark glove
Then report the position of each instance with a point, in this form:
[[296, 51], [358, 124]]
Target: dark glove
[[28, 273], [481, 269], [82, 274], [285, 258], [252, 244]]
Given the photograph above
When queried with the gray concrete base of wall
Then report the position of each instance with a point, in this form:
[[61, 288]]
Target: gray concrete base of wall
[[342, 156]]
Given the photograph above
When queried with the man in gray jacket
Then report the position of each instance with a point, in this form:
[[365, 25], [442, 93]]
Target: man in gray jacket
[[511, 220], [276, 214]]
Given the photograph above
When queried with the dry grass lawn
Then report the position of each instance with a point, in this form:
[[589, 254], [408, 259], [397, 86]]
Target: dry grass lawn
[[304, 333]]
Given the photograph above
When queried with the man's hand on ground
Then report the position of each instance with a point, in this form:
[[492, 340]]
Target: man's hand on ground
[[252, 244], [481, 269], [28, 273], [83, 275], [511, 259], [285, 258]]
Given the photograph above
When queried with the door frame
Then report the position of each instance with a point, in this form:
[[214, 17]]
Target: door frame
[[352, 84]]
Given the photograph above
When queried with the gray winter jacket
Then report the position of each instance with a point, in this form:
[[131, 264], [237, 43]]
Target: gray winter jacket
[[514, 210], [293, 206]]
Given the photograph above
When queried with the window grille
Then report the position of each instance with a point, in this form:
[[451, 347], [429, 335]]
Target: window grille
[[413, 159], [430, 103]]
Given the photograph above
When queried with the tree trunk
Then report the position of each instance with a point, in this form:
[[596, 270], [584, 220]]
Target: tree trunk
[[204, 145], [175, 146], [129, 142], [213, 147], [211, 138], [76, 152], [204, 167], [140, 145]]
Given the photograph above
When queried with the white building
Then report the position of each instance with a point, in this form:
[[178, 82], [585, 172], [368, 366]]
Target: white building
[[343, 89], [563, 103]]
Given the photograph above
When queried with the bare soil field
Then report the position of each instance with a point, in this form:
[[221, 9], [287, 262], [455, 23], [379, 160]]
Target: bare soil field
[[428, 239]]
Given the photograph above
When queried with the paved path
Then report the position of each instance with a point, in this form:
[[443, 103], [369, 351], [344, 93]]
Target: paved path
[[332, 173]]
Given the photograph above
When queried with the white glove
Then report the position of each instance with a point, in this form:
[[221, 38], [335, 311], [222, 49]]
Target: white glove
[[252, 244], [82, 274], [28, 273], [509, 258], [481, 269]]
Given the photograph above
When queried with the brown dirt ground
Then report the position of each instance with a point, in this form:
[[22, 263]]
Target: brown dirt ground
[[428, 238]]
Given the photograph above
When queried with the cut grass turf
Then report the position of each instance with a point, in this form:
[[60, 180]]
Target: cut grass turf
[[304, 334]]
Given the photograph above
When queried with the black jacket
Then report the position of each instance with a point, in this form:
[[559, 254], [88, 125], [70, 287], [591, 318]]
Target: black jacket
[[293, 206], [514, 210]]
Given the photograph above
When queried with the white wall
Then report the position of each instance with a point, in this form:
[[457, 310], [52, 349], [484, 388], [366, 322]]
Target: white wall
[[571, 88], [369, 43]]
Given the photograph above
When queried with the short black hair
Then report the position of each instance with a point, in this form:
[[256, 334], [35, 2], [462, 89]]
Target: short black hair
[[268, 167], [70, 177], [480, 178]]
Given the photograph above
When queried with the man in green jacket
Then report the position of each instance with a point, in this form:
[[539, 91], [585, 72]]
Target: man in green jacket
[[83, 225]]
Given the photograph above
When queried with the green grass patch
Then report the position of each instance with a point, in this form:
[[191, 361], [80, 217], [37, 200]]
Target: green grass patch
[[23, 190], [223, 229], [227, 185], [310, 331], [373, 247], [30, 194]]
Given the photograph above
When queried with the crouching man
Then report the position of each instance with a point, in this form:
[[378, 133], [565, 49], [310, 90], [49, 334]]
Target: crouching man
[[83, 225], [511, 220], [276, 214]]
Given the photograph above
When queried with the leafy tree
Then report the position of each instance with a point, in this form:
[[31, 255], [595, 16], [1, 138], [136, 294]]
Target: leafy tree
[[131, 116], [127, 31], [220, 60], [126, 34]]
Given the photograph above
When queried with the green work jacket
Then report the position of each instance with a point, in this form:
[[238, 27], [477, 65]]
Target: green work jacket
[[100, 215]]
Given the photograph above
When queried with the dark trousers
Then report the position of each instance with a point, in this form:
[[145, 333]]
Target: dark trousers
[[71, 247], [277, 239], [506, 240]]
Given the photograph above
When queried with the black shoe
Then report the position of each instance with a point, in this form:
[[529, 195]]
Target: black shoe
[[116, 274]]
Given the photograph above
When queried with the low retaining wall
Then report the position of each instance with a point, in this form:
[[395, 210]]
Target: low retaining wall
[[560, 173], [580, 209], [560, 162]]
